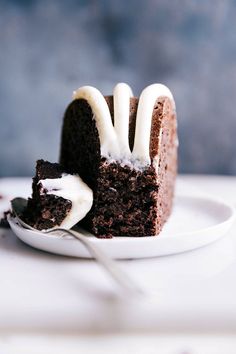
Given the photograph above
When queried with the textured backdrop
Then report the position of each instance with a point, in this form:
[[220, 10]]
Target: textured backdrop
[[47, 49]]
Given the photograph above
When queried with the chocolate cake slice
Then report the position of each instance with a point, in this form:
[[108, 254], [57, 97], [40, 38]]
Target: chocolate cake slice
[[58, 198], [125, 149]]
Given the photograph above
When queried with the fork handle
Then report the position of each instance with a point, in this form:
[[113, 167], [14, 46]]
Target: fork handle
[[108, 263]]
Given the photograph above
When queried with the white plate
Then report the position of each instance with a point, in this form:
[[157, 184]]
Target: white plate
[[195, 222]]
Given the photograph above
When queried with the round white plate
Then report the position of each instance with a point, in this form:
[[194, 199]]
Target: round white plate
[[194, 222]]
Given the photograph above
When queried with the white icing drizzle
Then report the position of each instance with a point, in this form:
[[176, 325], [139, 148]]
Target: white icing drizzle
[[108, 137], [71, 188], [114, 140], [121, 98], [147, 101]]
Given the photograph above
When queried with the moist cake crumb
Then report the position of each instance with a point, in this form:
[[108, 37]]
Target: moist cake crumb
[[128, 201]]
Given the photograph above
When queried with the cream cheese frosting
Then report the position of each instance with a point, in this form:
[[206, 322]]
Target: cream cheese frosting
[[114, 140], [146, 104], [121, 97], [70, 187], [107, 134]]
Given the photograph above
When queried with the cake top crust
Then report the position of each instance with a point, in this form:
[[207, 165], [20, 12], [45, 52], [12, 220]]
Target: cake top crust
[[46, 169]]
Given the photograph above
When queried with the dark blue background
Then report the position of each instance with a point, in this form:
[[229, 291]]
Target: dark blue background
[[49, 48]]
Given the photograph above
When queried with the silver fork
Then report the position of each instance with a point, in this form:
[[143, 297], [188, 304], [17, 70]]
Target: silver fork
[[122, 279]]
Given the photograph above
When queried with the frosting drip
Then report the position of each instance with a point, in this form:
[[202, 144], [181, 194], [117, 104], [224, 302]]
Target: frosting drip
[[121, 96], [114, 140], [70, 187], [146, 105], [108, 137]]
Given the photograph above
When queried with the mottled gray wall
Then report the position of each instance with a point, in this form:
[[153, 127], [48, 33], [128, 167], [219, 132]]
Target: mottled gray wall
[[49, 48]]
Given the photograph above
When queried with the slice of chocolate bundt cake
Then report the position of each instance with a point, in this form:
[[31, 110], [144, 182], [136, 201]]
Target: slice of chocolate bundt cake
[[58, 198], [125, 149]]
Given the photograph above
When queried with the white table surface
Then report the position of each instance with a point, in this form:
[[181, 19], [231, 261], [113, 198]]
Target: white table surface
[[193, 291]]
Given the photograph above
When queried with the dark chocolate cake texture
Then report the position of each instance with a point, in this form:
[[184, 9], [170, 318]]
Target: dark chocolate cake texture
[[125, 149], [58, 198]]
